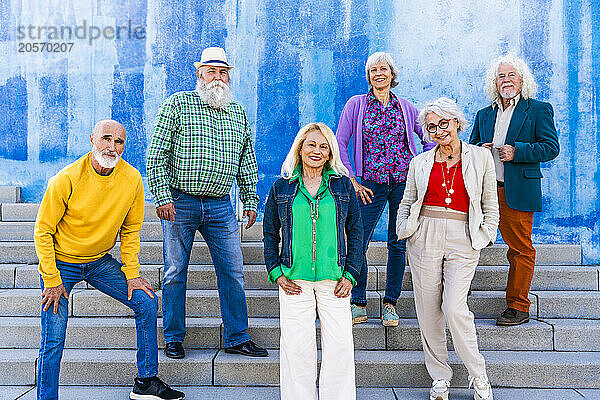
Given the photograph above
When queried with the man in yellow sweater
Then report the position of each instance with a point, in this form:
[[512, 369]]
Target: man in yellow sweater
[[87, 204]]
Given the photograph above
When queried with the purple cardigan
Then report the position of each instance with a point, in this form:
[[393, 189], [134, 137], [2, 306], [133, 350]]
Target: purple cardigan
[[351, 126]]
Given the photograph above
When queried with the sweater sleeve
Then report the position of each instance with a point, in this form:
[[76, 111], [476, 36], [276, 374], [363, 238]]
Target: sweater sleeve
[[130, 234], [344, 133], [51, 211]]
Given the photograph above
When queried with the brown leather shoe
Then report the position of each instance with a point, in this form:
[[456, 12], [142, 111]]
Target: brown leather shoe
[[511, 317]]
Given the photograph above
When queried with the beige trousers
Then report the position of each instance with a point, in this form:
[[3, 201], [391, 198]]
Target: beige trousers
[[298, 355], [442, 263]]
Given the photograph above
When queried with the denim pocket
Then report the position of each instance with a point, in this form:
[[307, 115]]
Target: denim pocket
[[175, 194], [282, 203]]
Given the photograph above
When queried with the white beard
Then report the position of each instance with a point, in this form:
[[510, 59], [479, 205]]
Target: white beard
[[216, 93], [103, 158], [508, 93]]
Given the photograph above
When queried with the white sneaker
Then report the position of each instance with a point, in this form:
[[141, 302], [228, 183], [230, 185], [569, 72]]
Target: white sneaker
[[439, 390], [483, 389]]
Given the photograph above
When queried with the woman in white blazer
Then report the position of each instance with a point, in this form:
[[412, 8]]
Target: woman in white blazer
[[449, 212]]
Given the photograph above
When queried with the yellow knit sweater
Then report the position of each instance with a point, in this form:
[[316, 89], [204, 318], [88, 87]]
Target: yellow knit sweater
[[81, 214]]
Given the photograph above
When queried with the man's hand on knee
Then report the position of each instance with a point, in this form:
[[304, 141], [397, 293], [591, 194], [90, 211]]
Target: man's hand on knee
[[139, 283], [52, 295]]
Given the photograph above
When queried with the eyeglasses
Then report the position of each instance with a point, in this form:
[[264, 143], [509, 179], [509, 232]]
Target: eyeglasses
[[443, 124]]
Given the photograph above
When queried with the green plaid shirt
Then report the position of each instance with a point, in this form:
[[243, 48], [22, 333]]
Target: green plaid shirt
[[200, 150]]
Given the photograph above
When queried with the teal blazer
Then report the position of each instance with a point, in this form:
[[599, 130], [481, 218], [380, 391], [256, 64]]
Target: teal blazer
[[533, 134]]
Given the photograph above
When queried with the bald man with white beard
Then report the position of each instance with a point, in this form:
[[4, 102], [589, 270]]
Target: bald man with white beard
[[86, 205]]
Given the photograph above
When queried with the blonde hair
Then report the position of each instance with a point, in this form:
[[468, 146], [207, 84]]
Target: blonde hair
[[528, 87], [293, 157]]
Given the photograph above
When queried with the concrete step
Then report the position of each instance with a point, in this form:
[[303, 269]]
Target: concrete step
[[546, 277], [534, 369], [17, 366], [117, 367], [26, 276], [27, 212], [406, 369], [10, 194], [575, 334], [151, 253], [201, 333], [272, 393], [22, 231], [264, 303]]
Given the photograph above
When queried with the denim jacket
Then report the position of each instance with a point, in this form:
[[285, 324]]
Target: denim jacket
[[278, 216]]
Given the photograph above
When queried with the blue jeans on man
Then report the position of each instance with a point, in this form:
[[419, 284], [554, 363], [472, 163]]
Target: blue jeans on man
[[215, 220], [105, 275], [391, 193]]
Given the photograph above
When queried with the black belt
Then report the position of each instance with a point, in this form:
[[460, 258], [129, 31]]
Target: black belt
[[500, 184]]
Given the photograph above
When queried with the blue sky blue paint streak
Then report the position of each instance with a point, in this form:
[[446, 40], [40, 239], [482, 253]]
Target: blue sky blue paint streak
[[278, 89], [54, 116], [128, 83], [572, 16], [13, 121], [185, 29]]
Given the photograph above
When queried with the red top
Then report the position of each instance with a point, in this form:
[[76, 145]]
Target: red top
[[436, 194]]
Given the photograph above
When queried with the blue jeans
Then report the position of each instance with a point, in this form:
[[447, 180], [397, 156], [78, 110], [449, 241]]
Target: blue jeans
[[371, 212], [105, 275], [215, 220]]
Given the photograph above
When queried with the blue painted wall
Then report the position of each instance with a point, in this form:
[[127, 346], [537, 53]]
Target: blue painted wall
[[298, 61]]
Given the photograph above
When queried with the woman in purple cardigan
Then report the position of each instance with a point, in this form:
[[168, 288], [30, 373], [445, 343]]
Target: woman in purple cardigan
[[381, 126]]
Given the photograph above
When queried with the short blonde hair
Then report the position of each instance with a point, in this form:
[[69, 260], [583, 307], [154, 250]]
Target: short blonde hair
[[445, 108], [528, 87], [293, 157], [379, 57]]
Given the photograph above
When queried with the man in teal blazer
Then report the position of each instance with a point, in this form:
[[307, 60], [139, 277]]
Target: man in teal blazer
[[520, 133]]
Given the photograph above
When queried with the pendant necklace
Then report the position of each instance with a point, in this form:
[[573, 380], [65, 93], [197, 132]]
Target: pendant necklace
[[449, 192], [314, 215]]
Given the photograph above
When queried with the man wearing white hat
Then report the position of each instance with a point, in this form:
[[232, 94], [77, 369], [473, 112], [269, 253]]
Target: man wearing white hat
[[201, 143]]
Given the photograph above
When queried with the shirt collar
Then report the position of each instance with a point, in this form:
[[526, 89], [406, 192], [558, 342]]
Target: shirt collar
[[371, 99], [513, 102], [328, 172]]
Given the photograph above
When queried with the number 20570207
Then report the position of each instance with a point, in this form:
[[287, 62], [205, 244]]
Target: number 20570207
[[45, 47]]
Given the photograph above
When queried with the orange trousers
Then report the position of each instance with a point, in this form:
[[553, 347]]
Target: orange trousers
[[516, 228]]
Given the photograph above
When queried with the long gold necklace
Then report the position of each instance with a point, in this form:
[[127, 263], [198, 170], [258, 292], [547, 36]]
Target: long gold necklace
[[449, 192]]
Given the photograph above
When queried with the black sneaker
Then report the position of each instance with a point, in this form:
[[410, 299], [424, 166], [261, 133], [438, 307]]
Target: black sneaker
[[511, 317], [153, 389]]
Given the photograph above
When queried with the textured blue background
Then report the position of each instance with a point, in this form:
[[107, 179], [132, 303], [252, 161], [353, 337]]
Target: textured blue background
[[298, 61]]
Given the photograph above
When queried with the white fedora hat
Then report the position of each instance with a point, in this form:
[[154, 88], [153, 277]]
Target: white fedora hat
[[214, 56]]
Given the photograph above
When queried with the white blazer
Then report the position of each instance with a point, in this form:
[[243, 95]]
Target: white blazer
[[479, 175]]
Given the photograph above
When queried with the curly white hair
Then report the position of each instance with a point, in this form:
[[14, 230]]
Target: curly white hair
[[529, 87]]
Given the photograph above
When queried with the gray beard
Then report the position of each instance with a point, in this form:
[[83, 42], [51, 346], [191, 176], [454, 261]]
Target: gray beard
[[216, 93], [508, 94], [104, 161]]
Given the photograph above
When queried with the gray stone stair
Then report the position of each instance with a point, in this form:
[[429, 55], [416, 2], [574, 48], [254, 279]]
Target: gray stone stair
[[559, 348], [272, 393], [534, 369], [10, 194], [151, 253], [264, 303], [27, 212], [546, 277], [205, 332], [406, 369]]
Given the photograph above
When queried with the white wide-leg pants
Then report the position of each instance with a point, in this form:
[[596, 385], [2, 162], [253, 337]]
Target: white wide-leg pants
[[298, 355], [442, 263]]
